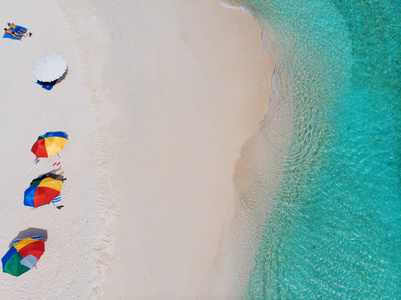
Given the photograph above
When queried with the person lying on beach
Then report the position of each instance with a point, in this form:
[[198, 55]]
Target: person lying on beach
[[14, 34], [20, 30], [53, 174], [13, 26]]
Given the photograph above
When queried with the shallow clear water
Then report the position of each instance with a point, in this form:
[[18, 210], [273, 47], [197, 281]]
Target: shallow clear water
[[335, 228]]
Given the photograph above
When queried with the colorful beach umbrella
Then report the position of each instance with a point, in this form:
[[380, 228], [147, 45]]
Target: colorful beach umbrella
[[23, 255], [42, 191], [50, 67], [49, 143]]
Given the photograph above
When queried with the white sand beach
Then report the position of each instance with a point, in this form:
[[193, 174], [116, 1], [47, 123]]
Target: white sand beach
[[159, 99]]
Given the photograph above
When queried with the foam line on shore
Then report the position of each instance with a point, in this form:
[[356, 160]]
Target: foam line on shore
[[256, 178]]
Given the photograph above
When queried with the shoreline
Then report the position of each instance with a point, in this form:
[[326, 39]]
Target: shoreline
[[256, 179], [172, 222]]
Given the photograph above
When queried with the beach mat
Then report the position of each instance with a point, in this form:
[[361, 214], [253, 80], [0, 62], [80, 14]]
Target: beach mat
[[57, 199], [46, 86], [9, 36], [17, 28]]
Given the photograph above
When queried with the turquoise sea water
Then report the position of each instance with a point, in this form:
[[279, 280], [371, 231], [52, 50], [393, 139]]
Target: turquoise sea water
[[335, 228]]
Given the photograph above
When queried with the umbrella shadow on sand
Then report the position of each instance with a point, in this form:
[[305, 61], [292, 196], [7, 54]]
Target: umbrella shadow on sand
[[31, 231]]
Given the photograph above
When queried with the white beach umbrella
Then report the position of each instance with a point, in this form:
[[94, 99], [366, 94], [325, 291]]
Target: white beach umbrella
[[49, 67]]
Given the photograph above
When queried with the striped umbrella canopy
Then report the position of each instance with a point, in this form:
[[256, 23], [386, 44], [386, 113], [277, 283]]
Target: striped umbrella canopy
[[23, 255], [49, 143], [42, 191], [49, 67]]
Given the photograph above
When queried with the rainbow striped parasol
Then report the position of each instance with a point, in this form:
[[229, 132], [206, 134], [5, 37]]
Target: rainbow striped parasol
[[49, 143], [42, 191], [23, 255]]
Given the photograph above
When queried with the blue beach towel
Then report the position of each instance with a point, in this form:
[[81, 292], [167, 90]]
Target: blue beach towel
[[47, 86], [57, 199], [17, 28], [9, 36]]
